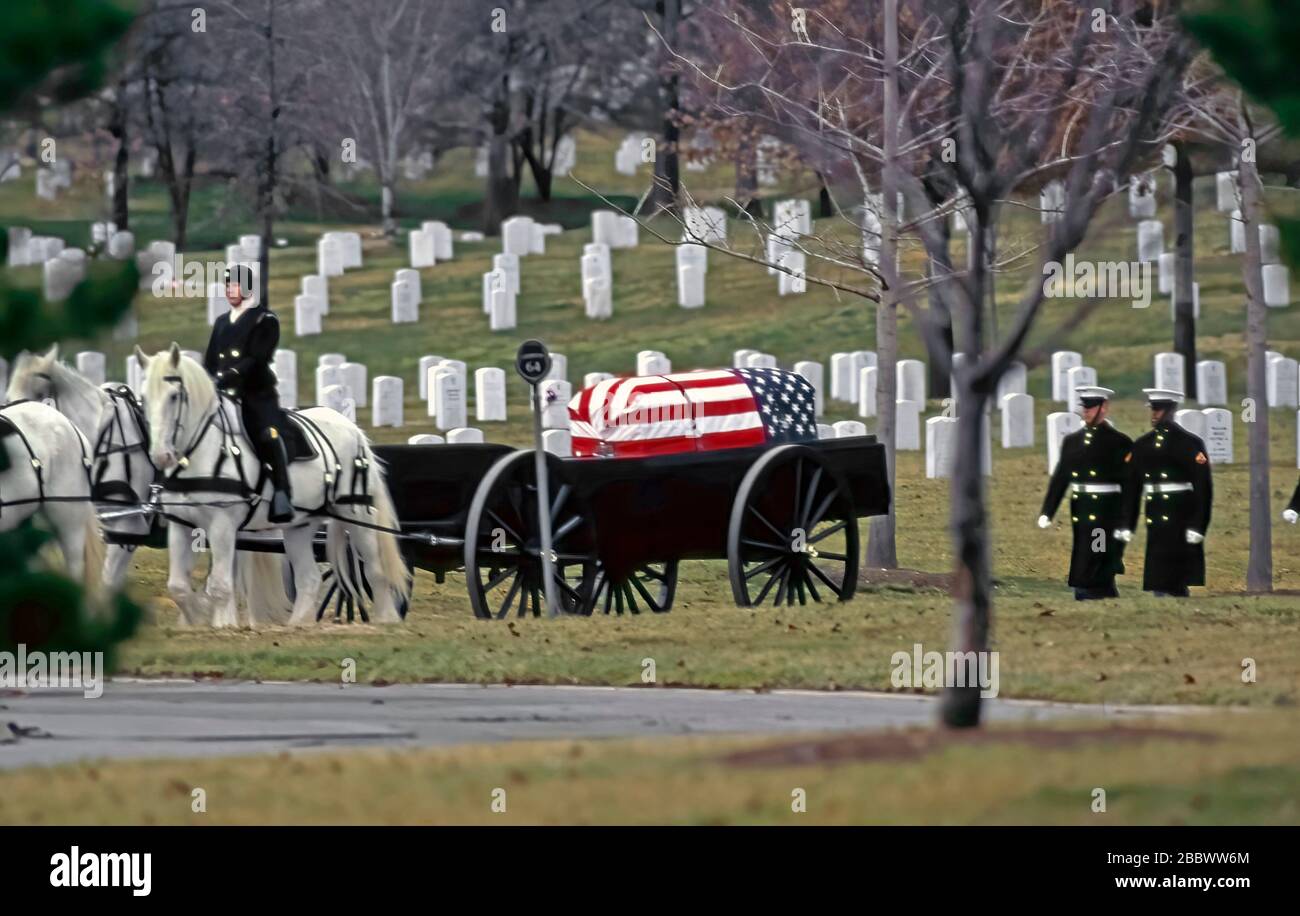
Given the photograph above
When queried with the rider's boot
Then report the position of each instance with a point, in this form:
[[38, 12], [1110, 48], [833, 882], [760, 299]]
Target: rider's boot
[[277, 456]]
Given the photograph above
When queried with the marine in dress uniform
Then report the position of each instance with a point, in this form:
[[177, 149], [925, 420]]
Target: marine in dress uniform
[[1169, 484], [239, 357], [1093, 470]]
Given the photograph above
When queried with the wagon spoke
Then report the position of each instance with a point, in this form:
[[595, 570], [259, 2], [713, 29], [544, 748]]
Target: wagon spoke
[[771, 580], [640, 587], [775, 548], [655, 574], [765, 565], [573, 522], [821, 511], [821, 575], [498, 577], [510, 596], [827, 532], [560, 497], [832, 556], [798, 486], [812, 493], [780, 589], [812, 587], [800, 576], [762, 518], [510, 531]]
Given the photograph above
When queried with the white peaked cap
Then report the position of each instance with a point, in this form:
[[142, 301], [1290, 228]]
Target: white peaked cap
[[1163, 394]]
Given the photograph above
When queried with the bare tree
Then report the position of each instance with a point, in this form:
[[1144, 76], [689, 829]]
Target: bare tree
[[388, 64], [995, 96]]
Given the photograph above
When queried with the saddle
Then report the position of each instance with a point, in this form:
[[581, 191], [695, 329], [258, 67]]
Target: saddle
[[296, 442]]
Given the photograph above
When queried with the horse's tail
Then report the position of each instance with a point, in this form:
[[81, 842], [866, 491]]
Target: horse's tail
[[391, 563], [93, 553], [259, 583]]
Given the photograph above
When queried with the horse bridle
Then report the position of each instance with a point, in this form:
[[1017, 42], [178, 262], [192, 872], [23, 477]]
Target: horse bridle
[[105, 448]]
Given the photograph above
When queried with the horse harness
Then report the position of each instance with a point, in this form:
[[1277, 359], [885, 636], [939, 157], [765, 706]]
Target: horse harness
[[9, 428], [214, 482]]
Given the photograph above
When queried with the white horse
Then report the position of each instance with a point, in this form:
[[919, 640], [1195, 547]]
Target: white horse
[[122, 477], [47, 471], [109, 418], [214, 482]]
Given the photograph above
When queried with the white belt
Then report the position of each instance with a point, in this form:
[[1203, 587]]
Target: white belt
[[1095, 487], [1166, 487]]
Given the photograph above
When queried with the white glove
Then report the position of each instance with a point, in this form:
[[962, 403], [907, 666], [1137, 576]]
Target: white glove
[[1194, 537], [1045, 522], [1290, 515], [1123, 534]]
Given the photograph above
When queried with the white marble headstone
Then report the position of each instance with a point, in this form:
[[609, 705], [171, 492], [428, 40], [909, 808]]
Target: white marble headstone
[[1017, 420], [1211, 383], [490, 394], [386, 399]]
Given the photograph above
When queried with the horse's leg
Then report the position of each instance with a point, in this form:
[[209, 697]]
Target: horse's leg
[[180, 567], [69, 522], [116, 566], [221, 578], [306, 574], [182, 560]]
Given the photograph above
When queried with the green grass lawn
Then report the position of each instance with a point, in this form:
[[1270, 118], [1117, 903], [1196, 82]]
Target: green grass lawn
[[1133, 649], [1223, 769]]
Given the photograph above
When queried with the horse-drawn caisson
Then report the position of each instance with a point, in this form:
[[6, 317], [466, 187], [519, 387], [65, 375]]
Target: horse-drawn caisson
[[721, 464]]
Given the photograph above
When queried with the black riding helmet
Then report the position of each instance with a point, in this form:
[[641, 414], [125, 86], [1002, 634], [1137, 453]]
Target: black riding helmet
[[243, 275]]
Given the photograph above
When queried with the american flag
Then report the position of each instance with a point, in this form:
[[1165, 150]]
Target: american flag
[[692, 411]]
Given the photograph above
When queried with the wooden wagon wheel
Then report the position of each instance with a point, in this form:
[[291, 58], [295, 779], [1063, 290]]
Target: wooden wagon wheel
[[793, 532], [651, 586], [503, 563]]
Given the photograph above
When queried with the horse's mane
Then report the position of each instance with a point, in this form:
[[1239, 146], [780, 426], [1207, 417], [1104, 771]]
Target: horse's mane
[[199, 388], [69, 385]]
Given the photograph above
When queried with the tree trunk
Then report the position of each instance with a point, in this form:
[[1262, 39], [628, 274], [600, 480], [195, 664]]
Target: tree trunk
[[503, 188], [122, 161], [266, 199], [972, 577], [1184, 239], [825, 207], [747, 176], [1259, 568], [939, 381], [181, 199], [882, 547], [667, 180], [387, 197]]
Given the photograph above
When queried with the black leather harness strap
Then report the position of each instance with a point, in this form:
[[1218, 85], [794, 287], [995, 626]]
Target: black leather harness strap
[[38, 468]]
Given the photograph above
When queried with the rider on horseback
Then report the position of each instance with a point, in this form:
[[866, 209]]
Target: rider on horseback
[[239, 358]]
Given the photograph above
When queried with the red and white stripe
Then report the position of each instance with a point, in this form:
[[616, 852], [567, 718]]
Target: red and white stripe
[[664, 414]]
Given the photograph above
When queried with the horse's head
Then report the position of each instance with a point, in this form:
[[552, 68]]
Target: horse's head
[[32, 377], [177, 395]]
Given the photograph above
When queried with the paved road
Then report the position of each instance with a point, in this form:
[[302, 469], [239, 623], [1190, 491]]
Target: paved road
[[135, 719]]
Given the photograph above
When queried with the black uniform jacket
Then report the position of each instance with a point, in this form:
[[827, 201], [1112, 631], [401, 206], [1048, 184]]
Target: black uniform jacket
[[1093, 469], [239, 358], [1170, 455]]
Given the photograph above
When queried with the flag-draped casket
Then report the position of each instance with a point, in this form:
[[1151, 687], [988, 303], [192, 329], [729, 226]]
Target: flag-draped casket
[[705, 410]]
